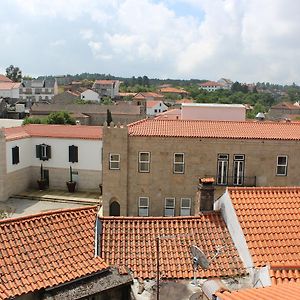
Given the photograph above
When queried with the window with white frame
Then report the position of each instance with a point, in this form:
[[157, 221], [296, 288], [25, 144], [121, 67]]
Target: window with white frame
[[178, 164], [114, 161], [169, 207], [144, 162], [185, 207], [143, 206], [222, 169], [282, 162]]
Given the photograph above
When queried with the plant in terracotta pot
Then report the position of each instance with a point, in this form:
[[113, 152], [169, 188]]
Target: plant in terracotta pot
[[42, 182], [71, 184]]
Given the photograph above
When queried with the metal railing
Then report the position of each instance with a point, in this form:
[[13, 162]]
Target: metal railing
[[234, 180]]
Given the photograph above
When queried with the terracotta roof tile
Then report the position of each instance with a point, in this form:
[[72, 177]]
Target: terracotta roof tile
[[173, 90], [283, 274], [210, 83], [269, 218], [9, 85], [215, 129], [46, 250], [145, 95], [152, 103], [279, 292], [54, 131], [4, 79], [131, 242]]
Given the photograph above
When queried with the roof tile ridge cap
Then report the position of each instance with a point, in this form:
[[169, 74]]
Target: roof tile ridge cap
[[160, 218], [278, 266], [266, 188], [137, 122], [47, 213]]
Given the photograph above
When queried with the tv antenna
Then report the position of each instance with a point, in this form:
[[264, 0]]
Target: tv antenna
[[200, 259]]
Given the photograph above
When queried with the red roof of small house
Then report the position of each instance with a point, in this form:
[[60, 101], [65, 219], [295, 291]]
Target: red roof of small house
[[215, 129], [185, 100], [152, 103], [269, 218], [54, 131], [283, 274], [46, 250], [131, 242], [9, 85], [173, 90], [4, 79], [171, 114], [286, 105], [280, 292], [147, 95]]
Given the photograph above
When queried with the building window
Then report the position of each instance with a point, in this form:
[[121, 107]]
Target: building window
[[43, 152], [143, 207], [73, 154], [15, 155], [185, 207], [222, 169], [238, 169], [114, 161], [178, 165], [282, 161], [144, 162], [169, 207]]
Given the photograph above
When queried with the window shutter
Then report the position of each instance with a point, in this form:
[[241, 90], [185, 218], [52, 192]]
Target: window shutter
[[48, 151], [38, 149], [73, 154], [15, 155]]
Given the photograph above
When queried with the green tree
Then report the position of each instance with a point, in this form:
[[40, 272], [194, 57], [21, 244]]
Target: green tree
[[106, 101], [60, 117], [14, 73]]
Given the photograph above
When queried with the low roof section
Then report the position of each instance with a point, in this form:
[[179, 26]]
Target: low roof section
[[47, 250], [280, 292], [130, 242], [269, 218]]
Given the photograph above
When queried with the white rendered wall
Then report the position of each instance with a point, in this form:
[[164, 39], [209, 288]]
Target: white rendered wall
[[25, 154], [213, 113], [89, 153], [90, 95]]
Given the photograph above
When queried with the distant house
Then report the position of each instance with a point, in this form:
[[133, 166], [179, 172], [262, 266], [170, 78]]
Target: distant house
[[107, 88], [155, 107], [210, 86], [8, 89], [226, 83], [284, 110], [68, 97], [173, 91], [38, 90], [142, 97], [90, 95]]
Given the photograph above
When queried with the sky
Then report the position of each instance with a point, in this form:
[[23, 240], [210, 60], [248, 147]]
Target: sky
[[244, 40]]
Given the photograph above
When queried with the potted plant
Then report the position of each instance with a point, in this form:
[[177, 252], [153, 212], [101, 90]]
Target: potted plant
[[42, 182], [71, 184]]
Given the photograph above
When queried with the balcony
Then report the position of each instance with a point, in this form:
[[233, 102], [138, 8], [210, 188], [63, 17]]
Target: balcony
[[247, 181]]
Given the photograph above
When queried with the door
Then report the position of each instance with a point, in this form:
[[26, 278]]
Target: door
[[238, 169]]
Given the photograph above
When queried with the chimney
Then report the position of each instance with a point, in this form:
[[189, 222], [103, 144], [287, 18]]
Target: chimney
[[206, 190]]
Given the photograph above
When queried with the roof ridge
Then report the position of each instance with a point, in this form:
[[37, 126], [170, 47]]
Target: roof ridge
[[161, 218], [282, 188], [47, 213]]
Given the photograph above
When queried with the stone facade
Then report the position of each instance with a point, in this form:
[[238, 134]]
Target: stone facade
[[200, 160]]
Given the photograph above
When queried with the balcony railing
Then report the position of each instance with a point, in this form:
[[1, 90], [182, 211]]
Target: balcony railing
[[234, 180]]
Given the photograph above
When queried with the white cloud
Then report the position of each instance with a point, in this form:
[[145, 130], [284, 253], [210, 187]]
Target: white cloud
[[58, 43], [245, 40]]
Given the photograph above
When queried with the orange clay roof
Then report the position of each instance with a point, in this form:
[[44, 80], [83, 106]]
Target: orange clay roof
[[46, 250], [284, 274], [145, 95], [54, 131], [172, 90], [153, 103], [131, 242], [215, 129], [280, 292], [4, 78], [210, 83], [269, 218]]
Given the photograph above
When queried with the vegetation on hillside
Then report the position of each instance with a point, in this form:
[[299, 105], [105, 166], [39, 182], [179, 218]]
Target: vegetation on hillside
[[60, 117]]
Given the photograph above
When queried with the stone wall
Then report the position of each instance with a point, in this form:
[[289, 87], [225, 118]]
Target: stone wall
[[200, 161]]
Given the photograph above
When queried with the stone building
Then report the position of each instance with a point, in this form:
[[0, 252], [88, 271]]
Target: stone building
[[152, 167]]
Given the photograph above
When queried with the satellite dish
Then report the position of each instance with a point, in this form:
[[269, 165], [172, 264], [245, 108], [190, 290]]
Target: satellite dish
[[199, 259]]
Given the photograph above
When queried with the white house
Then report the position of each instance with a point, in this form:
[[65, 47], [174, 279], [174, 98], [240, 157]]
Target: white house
[[56, 148], [210, 86], [90, 95], [155, 107], [8, 88], [108, 88]]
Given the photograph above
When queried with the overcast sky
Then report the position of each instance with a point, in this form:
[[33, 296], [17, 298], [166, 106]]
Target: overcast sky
[[245, 40]]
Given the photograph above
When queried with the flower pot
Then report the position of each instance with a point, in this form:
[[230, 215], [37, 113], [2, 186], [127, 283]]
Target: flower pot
[[42, 183], [71, 186]]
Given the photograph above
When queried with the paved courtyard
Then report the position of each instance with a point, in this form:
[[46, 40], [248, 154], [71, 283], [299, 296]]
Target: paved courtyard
[[32, 202]]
